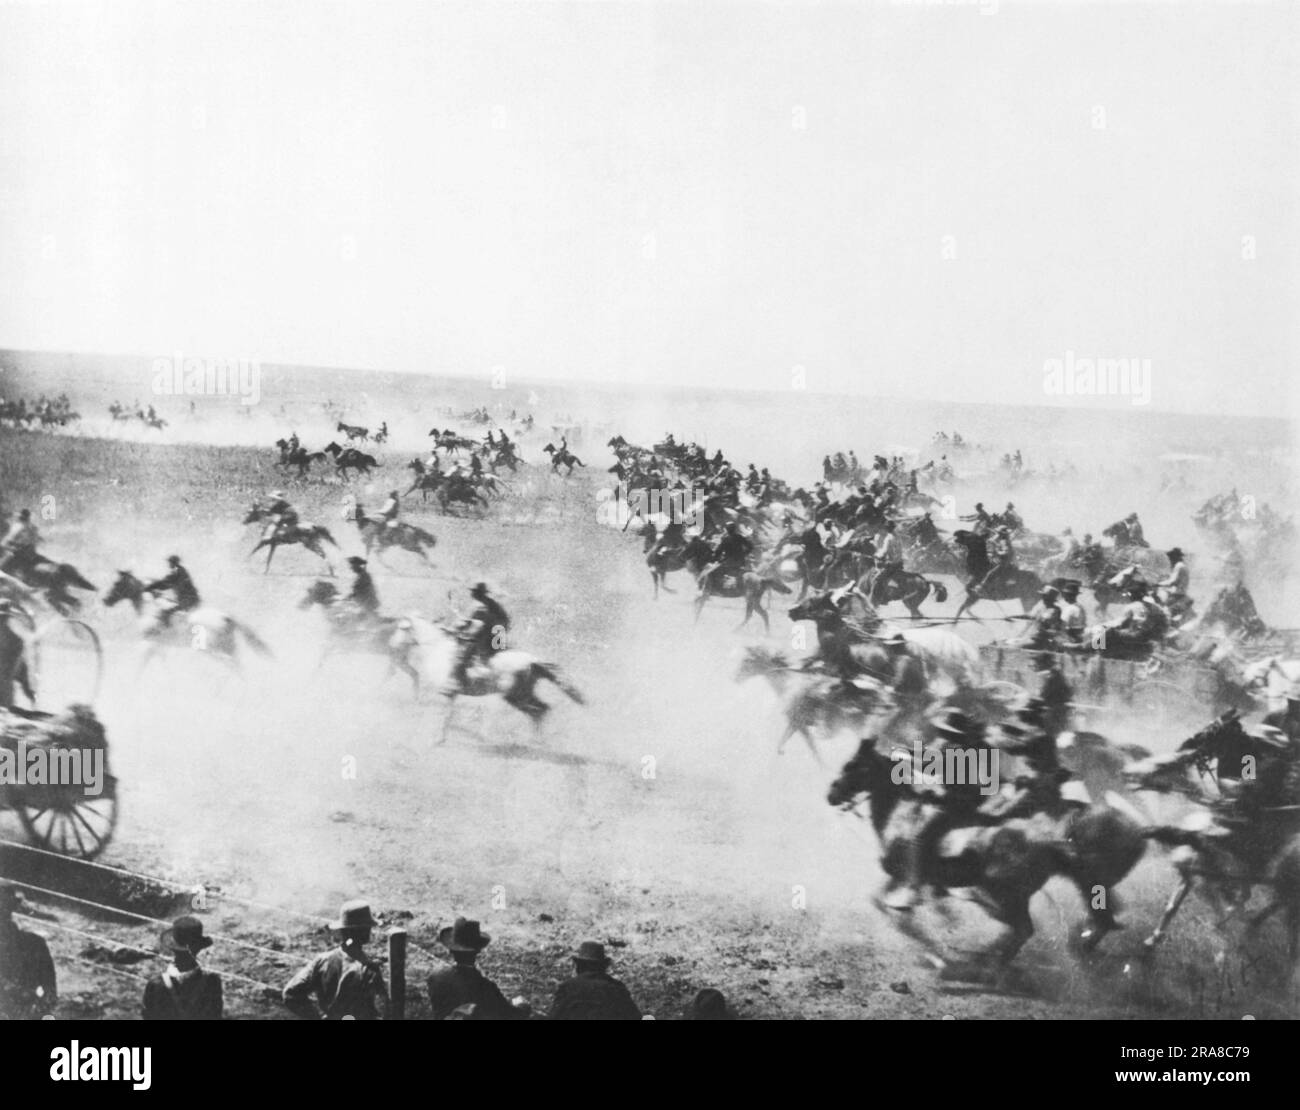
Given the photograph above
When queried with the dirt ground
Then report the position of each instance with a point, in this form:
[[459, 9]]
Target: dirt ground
[[656, 817]]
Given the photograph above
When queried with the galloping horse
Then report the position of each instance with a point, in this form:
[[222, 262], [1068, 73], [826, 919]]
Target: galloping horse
[[512, 673], [906, 586], [352, 630], [349, 458], [1004, 864], [752, 585], [204, 629], [353, 431], [378, 534], [1263, 849], [311, 536], [562, 456], [1014, 584], [51, 581]]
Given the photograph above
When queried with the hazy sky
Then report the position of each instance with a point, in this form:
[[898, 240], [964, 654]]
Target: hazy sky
[[697, 193]]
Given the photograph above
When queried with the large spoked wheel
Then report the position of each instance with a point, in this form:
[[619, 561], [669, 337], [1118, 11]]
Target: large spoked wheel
[[66, 662], [72, 823]]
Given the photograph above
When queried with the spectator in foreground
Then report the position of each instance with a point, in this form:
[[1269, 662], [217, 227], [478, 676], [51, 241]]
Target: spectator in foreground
[[184, 992], [463, 985], [27, 982], [593, 994], [345, 981]]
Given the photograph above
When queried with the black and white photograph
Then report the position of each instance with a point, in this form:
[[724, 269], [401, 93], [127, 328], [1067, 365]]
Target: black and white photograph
[[764, 510]]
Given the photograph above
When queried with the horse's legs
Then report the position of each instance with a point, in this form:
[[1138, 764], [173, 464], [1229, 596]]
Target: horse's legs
[[1175, 900], [269, 553], [699, 605], [446, 720]]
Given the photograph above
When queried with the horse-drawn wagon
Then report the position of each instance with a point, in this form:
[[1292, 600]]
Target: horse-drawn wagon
[[1164, 686], [54, 775]]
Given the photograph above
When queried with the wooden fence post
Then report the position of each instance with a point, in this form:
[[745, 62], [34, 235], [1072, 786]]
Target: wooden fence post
[[397, 973]]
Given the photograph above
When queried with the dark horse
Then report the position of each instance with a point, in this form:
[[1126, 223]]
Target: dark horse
[[1014, 584], [562, 457], [312, 536], [52, 580], [907, 586], [349, 458], [378, 535], [1003, 864]]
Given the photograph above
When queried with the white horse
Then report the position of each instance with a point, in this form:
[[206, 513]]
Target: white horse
[[1271, 678], [511, 673]]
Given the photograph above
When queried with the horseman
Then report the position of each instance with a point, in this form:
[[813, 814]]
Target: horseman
[[925, 531], [1038, 786], [1172, 589], [1135, 535], [390, 509], [20, 543], [178, 583], [1003, 554], [1013, 519], [889, 561], [481, 632], [946, 805], [293, 443], [363, 595], [731, 556], [670, 541], [982, 522], [282, 518]]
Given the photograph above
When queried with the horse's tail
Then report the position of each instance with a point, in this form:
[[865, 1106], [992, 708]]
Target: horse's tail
[[551, 671], [940, 591], [251, 638], [422, 535], [321, 532]]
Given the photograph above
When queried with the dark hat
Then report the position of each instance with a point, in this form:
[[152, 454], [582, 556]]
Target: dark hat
[[186, 934], [592, 952], [1175, 553], [1049, 591], [174, 560], [355, 915], [463, 936], [356, 561], [1070, 585], [479, 589]]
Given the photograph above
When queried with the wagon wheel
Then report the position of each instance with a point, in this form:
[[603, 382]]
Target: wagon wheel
[[72, 823], [66, 662]]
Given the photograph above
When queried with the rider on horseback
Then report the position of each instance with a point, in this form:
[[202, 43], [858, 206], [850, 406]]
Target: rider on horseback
[[949, 805], [889, 560], [1038, 787], [480, 633], [282, 518], [389, 510], [1073, 619], [363, 594], [1004, 556], [20, 543], [981, 519], [731, 556], [184, 594]]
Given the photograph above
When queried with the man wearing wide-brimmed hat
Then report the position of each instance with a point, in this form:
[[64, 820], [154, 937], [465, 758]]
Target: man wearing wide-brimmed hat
[[363, 593], [593, 994], [184, 991], [463, 984], [345, 981], [949, 804], [27, 982]]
